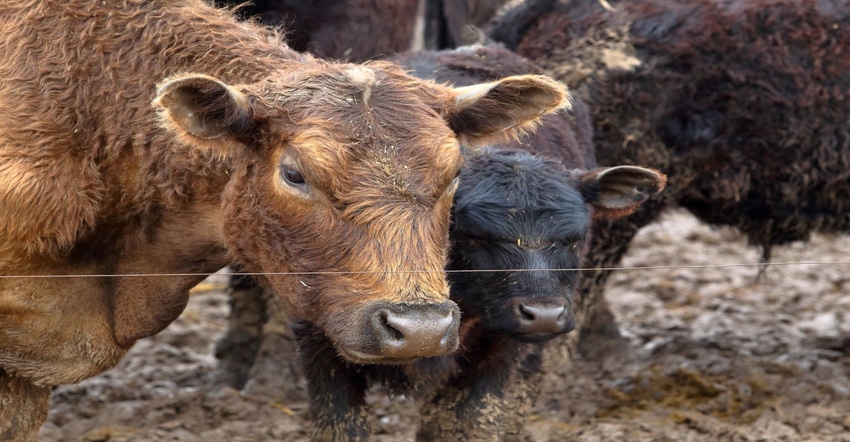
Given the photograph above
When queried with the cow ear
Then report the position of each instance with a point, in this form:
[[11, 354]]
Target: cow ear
[[505, 108], [204, 111], [617, 191]]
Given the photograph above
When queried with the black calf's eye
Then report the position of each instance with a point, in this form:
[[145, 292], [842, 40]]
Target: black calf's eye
[[292, 176]]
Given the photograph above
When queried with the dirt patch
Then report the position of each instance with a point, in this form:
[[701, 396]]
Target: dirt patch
[[715, 354]]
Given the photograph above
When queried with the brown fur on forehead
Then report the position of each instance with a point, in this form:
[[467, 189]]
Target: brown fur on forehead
[[388, 86], [333, 154], [391, 137]]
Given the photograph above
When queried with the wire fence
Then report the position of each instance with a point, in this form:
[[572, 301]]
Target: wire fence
[[586, 269]]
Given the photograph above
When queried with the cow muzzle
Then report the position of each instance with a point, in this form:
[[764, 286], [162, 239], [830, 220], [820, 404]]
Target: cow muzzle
[[395, 333], [541, 319]]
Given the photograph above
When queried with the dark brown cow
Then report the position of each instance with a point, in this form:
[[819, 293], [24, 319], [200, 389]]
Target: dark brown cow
[[264, 156], [743, 103]]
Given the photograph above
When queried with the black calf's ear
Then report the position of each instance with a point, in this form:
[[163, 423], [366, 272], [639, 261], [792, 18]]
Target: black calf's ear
[[617, 191], [204, 111]]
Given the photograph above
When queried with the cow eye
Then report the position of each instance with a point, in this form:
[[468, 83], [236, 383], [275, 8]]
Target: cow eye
[[292, 176]]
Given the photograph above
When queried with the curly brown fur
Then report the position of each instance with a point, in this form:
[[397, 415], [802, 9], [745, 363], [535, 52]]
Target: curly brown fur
[[153, 137], [747, 116]]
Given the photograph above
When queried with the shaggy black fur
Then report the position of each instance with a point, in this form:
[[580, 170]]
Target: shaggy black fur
[[743, 103]]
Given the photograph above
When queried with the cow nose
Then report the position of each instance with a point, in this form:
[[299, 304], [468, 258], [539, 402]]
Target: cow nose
[[548, 317], [415, 331]]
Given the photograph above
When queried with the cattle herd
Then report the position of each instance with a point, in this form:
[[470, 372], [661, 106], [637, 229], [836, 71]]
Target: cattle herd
[[415, 182]]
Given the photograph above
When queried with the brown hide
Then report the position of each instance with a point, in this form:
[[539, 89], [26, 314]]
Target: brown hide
[[92, 184]]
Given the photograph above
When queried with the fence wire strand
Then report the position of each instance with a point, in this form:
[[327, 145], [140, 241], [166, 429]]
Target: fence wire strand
[[586, 269]]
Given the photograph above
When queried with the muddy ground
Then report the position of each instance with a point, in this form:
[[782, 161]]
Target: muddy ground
[[714, 354]]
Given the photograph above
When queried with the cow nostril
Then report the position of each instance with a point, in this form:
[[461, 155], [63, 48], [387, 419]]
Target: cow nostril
[[386, 320], [562, 316], [524, 313]]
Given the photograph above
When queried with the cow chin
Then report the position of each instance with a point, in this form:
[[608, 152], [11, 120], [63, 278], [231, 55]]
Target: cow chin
[[358, 357], [535, 337], [394, 333]]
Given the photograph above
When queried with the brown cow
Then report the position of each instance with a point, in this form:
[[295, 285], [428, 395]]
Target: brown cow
[[266, 157], [353, 30]]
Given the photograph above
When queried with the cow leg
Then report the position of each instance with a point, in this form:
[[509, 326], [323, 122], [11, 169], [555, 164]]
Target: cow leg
[[474, 412], [336, 390], [598, 334], [521, 393], [237, 349], [258, 354], [485, 402], [23, 408], [597, 330], [276, 373]]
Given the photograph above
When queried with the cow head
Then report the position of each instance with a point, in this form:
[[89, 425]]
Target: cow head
[[517, 217], [341, 185]]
